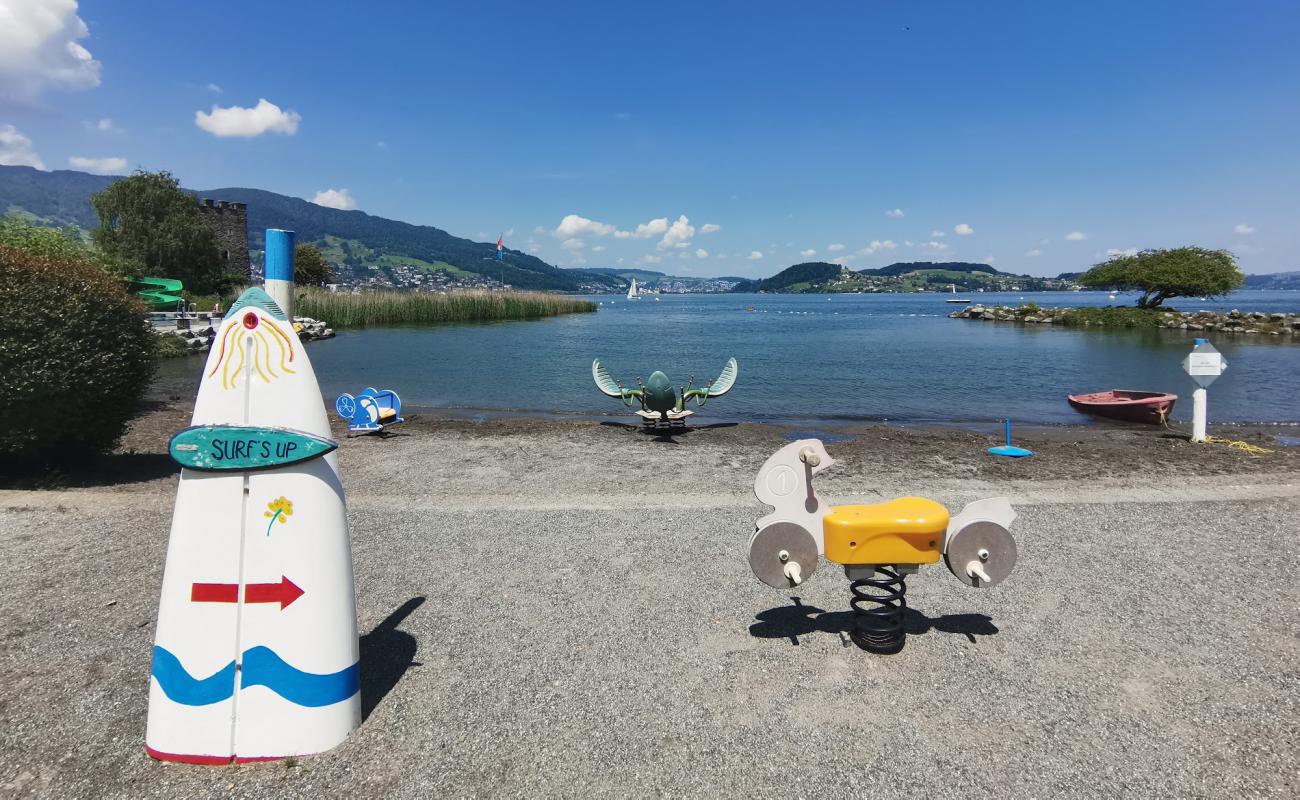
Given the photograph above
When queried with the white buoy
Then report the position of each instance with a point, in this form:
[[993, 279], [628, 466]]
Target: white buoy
[[255, 653]]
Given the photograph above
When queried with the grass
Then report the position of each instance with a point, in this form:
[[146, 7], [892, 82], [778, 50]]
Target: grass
[[1111, 317], [345, 310]]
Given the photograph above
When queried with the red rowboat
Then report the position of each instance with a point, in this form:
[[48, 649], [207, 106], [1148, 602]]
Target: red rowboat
[[1125, 404]]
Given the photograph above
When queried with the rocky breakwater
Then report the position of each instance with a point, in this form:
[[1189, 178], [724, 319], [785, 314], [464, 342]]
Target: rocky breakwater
[[197, 338], [1242, 322]]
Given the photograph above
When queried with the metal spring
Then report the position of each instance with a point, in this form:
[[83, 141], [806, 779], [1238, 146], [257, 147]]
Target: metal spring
[[878, 619]]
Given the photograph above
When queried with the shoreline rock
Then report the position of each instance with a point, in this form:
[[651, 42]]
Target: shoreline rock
[[1234, 321], [199, 340]]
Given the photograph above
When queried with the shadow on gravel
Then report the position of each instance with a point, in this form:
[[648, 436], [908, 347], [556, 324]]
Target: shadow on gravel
[[386, 655], [108, 470], [795, 620], [668, 435]]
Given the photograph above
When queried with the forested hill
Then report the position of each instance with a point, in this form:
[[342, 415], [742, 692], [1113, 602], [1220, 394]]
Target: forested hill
[[353, 238], [818, 277], [796, 278], [904, 267]]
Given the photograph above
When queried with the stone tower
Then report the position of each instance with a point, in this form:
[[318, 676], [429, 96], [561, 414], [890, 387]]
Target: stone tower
[[229, 223]]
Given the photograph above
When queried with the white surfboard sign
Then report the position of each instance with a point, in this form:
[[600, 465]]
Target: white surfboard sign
[[255, 655]]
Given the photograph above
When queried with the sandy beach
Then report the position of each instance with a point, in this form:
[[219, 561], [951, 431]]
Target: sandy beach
[[554, 607]]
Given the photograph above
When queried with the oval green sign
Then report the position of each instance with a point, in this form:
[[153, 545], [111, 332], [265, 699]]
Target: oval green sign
[[222, 448]]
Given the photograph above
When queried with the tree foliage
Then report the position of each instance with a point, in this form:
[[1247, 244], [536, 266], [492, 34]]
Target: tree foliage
[[310, 267], [147, 219], [76, 352], [1166, 273]]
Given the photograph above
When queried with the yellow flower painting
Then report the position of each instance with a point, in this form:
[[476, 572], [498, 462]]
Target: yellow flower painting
[[281, 509]]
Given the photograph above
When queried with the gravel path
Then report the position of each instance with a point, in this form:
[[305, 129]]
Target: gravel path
[[573, 615]]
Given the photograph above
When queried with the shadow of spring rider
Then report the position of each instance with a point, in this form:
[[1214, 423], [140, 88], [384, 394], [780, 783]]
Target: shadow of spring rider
[[878, 545]]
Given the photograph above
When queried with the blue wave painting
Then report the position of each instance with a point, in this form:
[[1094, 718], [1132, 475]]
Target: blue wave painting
[[187, 690], [261, 667]]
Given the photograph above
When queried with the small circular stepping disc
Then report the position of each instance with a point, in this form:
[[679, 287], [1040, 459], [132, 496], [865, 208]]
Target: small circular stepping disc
[[765, 553]]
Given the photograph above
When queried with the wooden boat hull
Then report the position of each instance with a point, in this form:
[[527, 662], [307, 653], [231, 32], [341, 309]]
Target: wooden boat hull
[[1125, 404]]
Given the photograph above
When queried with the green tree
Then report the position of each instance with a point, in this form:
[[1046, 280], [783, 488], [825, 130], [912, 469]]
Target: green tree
[[147, 219], [76, 351], [310, 267], [1166, 273]]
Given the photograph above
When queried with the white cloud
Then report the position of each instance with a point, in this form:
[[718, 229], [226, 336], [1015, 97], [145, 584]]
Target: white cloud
[[835, 248], [1075, 236], [647, 230], [721, 256], [701, 253], [571, 244], [937, 234], [539, 229], [1112, 252], [532, 248], [809, 253], [754, 255], [39, 49], [340, 199], [265, 117], [683, 255], [99, 166], [709, 227], [104, 125], [16, 149], [381, 145], [1035, 253], [989, 259], [842, 261], [876, 246], [215, 89], [895, 213], [600, 248], [1244, 228], [574, 225], [678, 235], [578, 261], [933, 246], [907, 242], [963, 229], [650, 259]]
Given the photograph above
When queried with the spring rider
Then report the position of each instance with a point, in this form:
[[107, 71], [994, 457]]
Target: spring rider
[[878, 545]]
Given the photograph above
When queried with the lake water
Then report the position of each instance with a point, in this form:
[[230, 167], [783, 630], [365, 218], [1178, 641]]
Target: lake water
[[809, 357]]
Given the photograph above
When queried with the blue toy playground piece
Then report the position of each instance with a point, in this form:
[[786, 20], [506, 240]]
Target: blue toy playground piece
[[370, 411], [1007, 449]]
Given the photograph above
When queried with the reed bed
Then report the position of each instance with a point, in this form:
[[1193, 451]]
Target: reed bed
[[345, 310]]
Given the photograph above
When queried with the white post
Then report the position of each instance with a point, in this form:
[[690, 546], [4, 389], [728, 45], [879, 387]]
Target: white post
[[1198, 414]]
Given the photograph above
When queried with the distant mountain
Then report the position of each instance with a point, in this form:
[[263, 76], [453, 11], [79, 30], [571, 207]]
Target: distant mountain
[[620, 277], [353, 239], [1277, 280]]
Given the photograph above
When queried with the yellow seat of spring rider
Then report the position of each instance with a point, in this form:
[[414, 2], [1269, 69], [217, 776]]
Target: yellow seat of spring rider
[[908, 530]]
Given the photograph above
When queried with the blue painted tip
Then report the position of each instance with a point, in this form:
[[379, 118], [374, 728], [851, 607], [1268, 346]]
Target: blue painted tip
[[1012, 452]]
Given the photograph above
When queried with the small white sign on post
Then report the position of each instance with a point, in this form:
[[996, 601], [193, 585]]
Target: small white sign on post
[[1204, 364]]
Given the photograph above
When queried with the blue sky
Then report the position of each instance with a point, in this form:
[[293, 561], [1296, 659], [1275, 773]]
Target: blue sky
[[1037, 135]]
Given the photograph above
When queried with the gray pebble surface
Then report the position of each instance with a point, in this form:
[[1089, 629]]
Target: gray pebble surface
[[540, 618]]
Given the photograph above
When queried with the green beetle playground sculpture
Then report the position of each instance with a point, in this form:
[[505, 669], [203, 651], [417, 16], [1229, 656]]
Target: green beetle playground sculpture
[[660, 403]]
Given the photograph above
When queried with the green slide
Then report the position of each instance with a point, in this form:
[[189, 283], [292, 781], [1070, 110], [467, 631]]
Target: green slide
[[157, 293]]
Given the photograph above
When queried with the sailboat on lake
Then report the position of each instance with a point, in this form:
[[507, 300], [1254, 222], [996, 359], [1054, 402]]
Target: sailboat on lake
[[955, 299], [632, 291]]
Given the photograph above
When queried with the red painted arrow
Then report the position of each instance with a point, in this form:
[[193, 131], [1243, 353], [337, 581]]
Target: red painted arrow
[[284, 592]]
